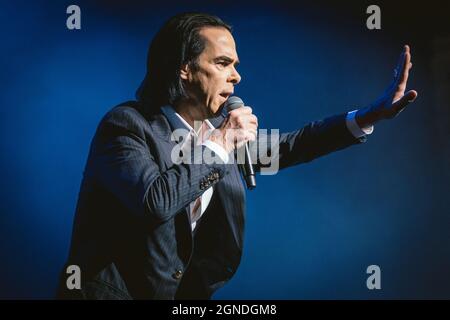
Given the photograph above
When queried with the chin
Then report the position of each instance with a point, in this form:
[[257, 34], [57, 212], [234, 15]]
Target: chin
[[215, 110]]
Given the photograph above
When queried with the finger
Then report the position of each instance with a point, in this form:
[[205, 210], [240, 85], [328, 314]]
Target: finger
[[245, 110], [401, 86], [240, 111], [403, 61], [251, 135], [253, 130], [246, 121], [405, 68], [239, 134], [252, 119], [400, 90], [245, 133], [409, 97], [397, 71]]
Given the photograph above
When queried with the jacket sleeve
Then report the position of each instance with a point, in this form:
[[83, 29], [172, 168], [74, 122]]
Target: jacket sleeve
[[122, 162], [314, 140]]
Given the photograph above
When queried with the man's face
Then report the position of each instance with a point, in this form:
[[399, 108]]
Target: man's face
[[212, 82]]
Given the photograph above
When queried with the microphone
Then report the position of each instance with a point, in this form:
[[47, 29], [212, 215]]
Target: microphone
[[247, 168]]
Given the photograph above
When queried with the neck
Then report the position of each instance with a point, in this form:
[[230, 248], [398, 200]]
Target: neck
[[190, 112]]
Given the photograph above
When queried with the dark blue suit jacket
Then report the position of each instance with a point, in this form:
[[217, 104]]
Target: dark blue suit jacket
[[132, 235]]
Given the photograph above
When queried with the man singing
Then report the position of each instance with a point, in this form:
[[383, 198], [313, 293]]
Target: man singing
[[150, 227]]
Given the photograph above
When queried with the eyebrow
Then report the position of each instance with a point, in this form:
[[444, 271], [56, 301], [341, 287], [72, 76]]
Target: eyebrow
[[227, 59]]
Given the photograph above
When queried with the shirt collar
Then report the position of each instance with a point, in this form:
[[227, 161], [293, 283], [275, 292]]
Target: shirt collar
[[196, 132], [177, 121]]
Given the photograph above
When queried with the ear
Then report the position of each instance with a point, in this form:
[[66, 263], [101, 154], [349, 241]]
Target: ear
[[185, 72]]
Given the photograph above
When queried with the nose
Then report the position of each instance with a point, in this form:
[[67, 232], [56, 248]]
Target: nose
[[235, 77]]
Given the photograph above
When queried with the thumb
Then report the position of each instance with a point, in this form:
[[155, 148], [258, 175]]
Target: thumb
[[408, 97]]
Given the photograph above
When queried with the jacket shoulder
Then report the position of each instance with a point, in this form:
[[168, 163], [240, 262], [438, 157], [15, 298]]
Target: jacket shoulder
[[126, 115]]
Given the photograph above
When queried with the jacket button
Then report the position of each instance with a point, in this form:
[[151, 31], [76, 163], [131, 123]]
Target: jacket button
[[177, 275]]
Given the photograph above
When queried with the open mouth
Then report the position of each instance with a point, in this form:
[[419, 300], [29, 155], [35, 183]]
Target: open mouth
[[226, 95]]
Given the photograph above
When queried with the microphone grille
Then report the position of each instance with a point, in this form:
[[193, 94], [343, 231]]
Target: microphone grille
[[233, 103]]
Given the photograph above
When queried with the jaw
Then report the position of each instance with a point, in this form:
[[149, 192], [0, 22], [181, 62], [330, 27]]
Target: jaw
[[207, 107], [215, 105]]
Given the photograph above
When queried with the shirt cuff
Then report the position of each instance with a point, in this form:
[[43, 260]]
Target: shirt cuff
[[219, 150], [354, 128]]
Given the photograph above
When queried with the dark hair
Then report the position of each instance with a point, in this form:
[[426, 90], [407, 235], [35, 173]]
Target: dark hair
[[177, 43]]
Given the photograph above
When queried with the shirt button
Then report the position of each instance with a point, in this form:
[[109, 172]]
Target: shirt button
[[177, 275]]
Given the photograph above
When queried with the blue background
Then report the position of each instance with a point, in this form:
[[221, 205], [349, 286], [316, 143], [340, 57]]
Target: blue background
[[311, 230]]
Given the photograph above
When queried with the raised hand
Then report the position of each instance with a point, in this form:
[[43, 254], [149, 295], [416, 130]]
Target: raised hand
[[394, 99]]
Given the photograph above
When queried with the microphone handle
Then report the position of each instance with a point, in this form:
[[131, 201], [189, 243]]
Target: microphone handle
[[247, 170]]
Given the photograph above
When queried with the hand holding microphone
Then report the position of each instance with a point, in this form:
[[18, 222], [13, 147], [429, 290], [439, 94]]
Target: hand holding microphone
[[239, 127]]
